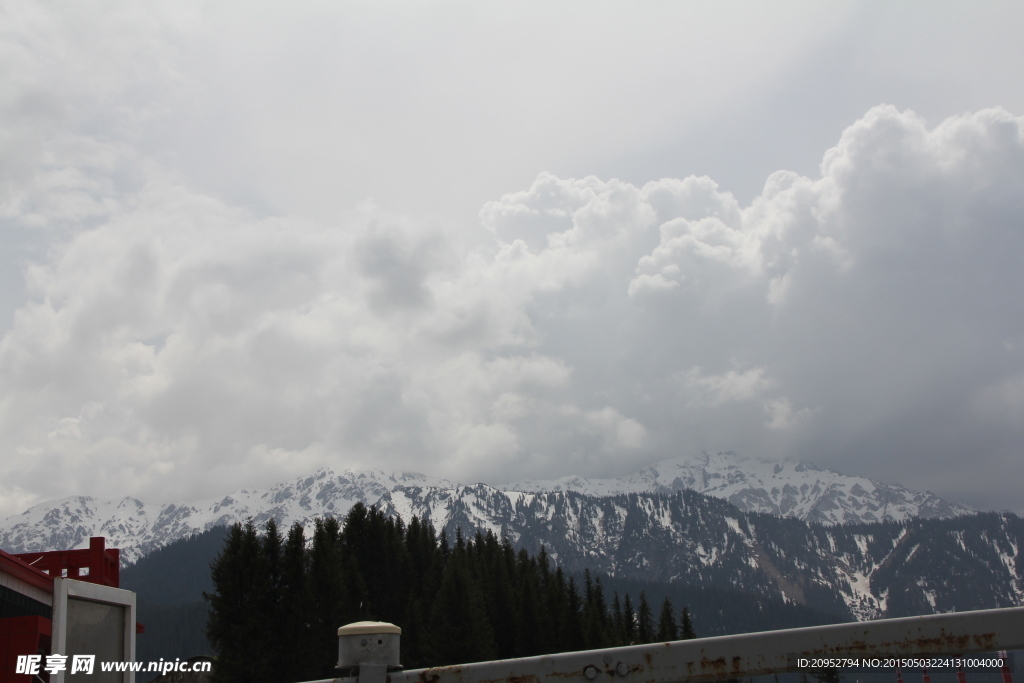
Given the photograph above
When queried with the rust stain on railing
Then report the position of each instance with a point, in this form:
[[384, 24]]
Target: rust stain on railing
[[435, 674]]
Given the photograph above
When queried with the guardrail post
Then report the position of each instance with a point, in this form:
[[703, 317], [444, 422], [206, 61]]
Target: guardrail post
[[369, 650]]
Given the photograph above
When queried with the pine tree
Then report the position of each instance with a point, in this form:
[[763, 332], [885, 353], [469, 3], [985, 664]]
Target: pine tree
[[295, 608], [686, 631], [601, 608], [530, 636], [369, 540], [444, 547], [573, 618], [566, 635], [226, 602], [617, 625], [236, 627], [500, 598], [425, 559], [628, 621], [588, 588], [595, 617], [268, 601], [459, 630], [398, 572], [337, 591], [547, 611], [414, 636], [644, 620], [667, 629]]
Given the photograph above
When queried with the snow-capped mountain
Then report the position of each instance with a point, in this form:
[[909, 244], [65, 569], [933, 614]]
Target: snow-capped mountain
[[138, 528], [892, 567], [789, 489], [864, 571]]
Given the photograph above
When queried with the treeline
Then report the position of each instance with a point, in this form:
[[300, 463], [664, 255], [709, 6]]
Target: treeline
[[278, 601]]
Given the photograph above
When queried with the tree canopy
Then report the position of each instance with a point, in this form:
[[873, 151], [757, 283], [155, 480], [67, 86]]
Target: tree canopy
[[278, 601]]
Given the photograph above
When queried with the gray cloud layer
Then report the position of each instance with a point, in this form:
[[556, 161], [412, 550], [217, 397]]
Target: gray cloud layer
[[868, 318], [205, 300]]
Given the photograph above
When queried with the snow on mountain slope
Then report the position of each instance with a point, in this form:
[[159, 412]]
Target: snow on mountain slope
[[786, 489], [790, 489], [864, 571], [137, 528]]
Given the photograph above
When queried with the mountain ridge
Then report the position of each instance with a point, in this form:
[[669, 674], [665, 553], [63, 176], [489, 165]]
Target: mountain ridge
[[862, 571], [788, 489], [785, 488]]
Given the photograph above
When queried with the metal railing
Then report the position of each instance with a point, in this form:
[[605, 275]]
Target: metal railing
[[706, 659]]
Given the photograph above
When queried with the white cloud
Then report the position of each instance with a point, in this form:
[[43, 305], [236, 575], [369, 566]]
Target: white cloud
[[214, 302], [183, 334], [781, 414], [181, 331], [627, 433], [729, 387]]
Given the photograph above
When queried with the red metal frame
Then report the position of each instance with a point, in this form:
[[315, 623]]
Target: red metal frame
[[103, 564], [19, 569]]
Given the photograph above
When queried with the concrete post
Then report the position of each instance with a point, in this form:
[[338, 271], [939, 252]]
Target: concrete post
[[369, 650]]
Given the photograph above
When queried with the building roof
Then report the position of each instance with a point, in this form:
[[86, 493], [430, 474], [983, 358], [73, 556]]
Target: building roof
[[9, 564]]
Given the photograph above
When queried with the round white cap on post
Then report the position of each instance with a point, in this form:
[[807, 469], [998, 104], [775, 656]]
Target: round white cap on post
[[369, 642]]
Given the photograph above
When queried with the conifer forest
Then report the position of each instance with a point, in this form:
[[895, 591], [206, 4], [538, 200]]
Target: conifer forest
[[278, 600]]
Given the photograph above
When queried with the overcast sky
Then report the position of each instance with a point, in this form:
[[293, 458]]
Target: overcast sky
[[491, 241]]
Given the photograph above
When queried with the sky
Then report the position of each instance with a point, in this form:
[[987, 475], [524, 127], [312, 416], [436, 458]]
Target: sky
[[497, 241]]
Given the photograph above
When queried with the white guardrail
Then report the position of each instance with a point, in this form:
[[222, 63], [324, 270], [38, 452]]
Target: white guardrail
[[368, 653]]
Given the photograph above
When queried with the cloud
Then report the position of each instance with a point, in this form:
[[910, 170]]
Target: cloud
[[729, 387], [176, 344]]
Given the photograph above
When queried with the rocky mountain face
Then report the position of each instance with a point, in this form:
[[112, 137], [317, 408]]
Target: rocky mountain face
[[138, 528], [864, 571], [788, 489], [893, 552]]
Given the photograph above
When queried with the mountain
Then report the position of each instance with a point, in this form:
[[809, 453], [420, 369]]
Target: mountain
[[139, 528], [177, 573], [862, 571], [789, 489], [854, 571]]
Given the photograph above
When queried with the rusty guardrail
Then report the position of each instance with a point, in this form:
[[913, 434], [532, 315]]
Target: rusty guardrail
[[368, 659]]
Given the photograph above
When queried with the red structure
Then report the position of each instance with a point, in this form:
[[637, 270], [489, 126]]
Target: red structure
[[25, 633], [26, 579], [22, 635], [96, 564]]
